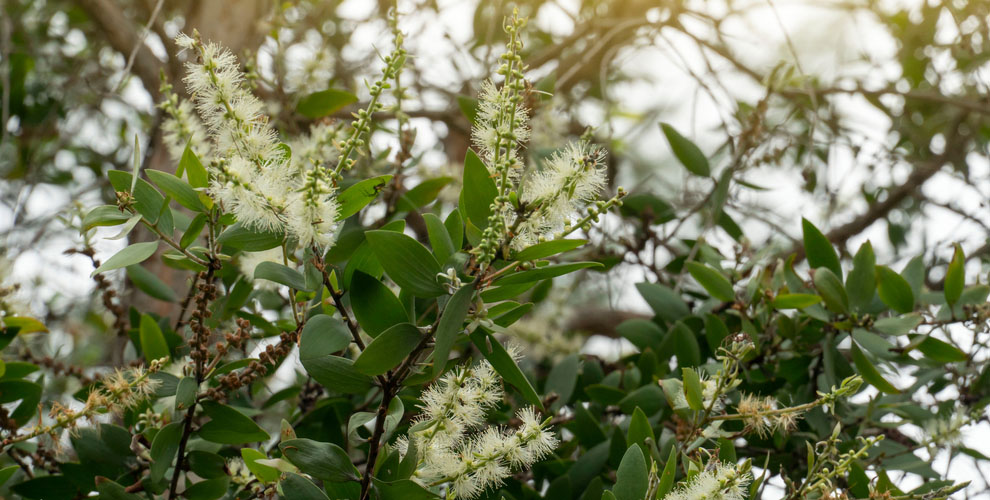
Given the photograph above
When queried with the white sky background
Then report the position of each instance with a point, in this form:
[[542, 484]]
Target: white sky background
[[827, 43]]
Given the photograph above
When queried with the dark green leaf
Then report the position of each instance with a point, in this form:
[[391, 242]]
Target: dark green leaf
[[407, 262], [545, 272], [861, 283], [548, 248], [323, 334], [423, 194], [149, 283], [686, 152], [153, 344], [403, 489], [282, 275], [665, 302], [388, 349], [955, 276], [229, 426], [668, 474], [195, 172], [693, 391], [148, 201], [325, 461], [478, 193], [106, 215], [894, 290], [443, 247], [562, 380], [210, 489], [177, 188], [163, 449], [324, 103], [451, 324], [375, 306], [795, 300], [831, 290], [249, 239], [192, 232], [185, 393], [870, 373], [296, 487], [632, 476], [715, 284], [819, 250], [940, 351]]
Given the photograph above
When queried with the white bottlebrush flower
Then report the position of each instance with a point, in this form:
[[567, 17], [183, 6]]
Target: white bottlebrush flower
[[570, 179], [718, 482], [946, 431], [499, 118], [317, 148], [450, 452], [312, 216], [182, 127]]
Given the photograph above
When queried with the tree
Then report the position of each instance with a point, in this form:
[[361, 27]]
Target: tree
[[309, 304]]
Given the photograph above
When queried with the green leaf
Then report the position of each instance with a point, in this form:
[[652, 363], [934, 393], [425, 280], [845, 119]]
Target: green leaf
[[249, 239], [229, 426], [451, 324], [686, 152], [6, 473], [665, 302], [562, 380], [632, 477], [335, 373], [668, 474], [185, 393], [388, 349], [642, 333], [264, 473], [283, 275], [149, 283], [110, 490], [163, 449], [403, 489], [547, 249], [130, 255], [478, 193], [375, 306], [423, 194], [296, 487], [861, 283], [147, 200], [356, 197], [715, 331], [407, 262], [503, 363], [195, 172], [894, 290], [211, 489], [545, 272], [455, 228], [819, 250], [831, 290], [153, 344], [105, 215], [324, 103], [178, 189], [685, 346], [440, 240], [325, 334], [325, 461], [469, 106], [939, 351], [955, 276], [795, 300], [898, 325], [192, 232], [870, 373], [715, 284], [693, 391]]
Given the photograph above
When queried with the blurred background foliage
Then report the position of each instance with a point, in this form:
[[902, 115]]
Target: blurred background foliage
[[869, 118]]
